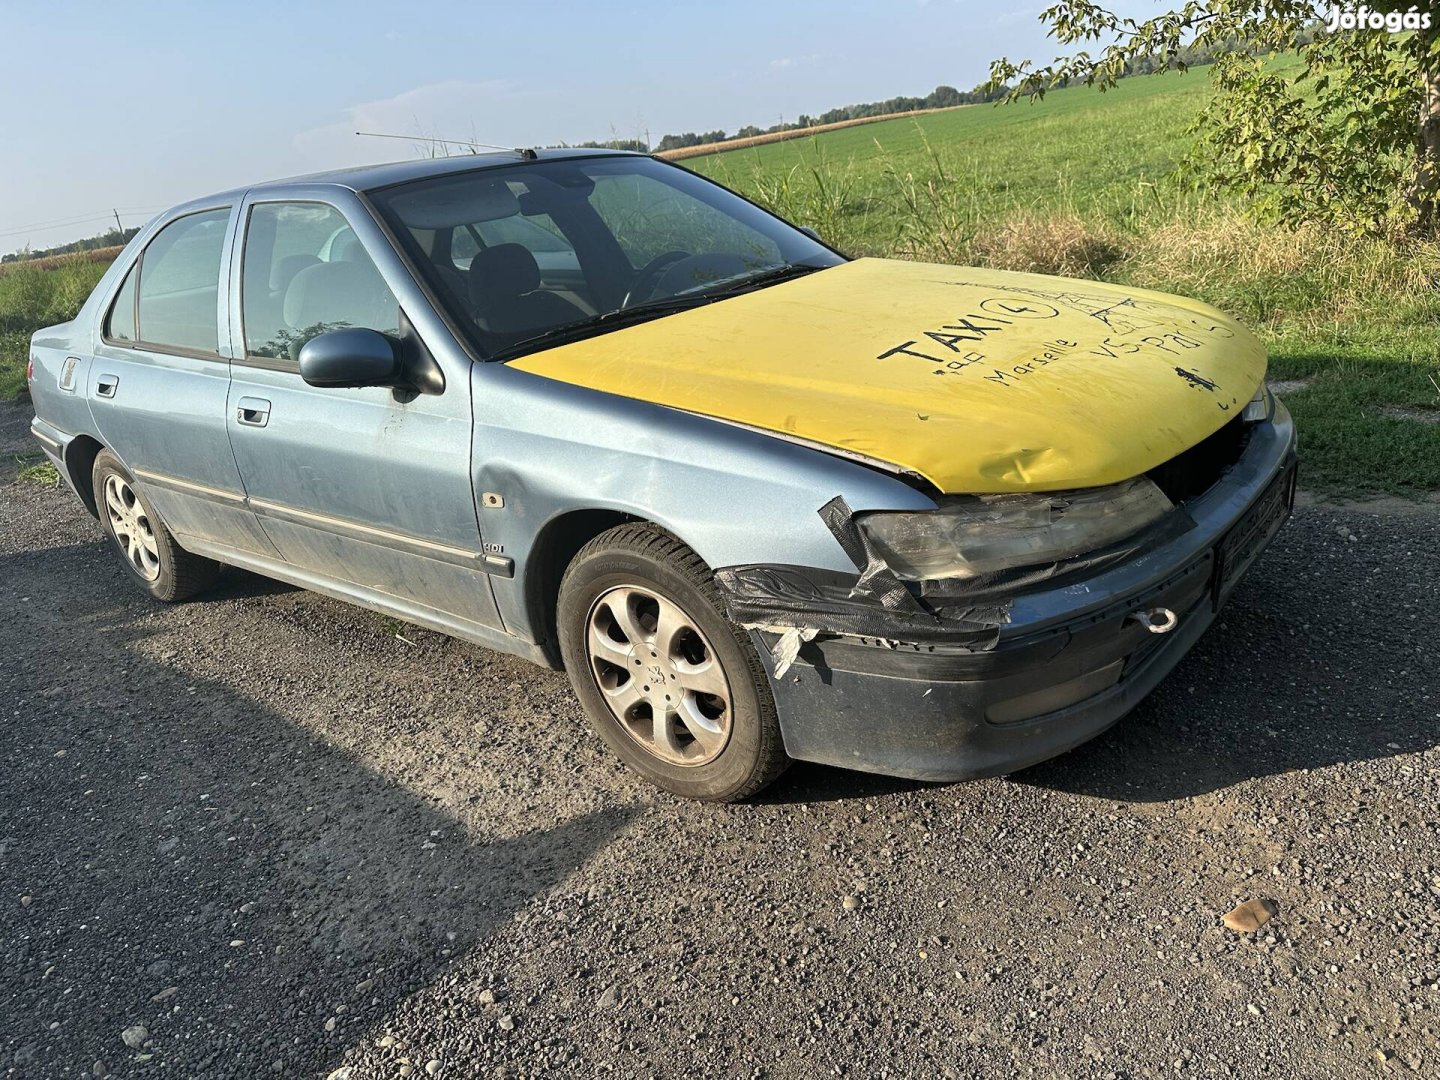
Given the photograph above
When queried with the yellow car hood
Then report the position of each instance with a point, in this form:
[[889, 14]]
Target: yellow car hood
[[978, 380]]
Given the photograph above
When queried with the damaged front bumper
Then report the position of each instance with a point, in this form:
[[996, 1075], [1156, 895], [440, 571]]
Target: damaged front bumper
[[966, 694]]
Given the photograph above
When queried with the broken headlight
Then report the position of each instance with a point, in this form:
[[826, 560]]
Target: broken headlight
[[1259, 407], [971, 536]]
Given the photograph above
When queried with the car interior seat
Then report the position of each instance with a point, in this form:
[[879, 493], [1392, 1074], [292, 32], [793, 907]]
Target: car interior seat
[[505, 294], [340, 294]]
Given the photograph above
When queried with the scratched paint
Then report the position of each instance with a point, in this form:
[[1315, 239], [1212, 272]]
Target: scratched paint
[[981, 381]]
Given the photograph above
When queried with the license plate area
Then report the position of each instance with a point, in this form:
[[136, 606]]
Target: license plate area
[[1252, 532]]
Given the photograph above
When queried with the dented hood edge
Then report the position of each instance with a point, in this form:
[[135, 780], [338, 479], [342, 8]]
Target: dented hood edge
[[824, 447]]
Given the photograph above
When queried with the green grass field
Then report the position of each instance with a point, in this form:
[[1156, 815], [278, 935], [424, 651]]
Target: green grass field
[[1084, 184], [1111, 154]]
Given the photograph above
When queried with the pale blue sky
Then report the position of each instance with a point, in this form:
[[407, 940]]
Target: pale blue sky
[[138, 105]]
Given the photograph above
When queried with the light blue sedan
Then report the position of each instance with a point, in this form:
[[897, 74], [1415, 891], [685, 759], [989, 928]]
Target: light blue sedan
[[761, 501]]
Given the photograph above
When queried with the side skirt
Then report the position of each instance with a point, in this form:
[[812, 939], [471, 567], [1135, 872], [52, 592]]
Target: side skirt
[[372, 599]]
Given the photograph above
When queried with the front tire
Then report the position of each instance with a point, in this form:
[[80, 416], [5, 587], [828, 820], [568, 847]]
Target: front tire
[[149, 553], [674, 688]]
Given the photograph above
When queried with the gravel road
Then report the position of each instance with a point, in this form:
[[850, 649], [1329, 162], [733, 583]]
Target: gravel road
[[269, 834]]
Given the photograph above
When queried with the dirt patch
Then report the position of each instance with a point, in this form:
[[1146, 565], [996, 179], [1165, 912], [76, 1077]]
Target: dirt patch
[[1414, 416], [1284, 387], [1424, 504]]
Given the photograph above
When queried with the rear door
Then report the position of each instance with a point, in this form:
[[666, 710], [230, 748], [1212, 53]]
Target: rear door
[[370, 485], [158, 383]]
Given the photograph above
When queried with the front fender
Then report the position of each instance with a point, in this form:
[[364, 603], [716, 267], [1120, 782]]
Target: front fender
[[734, 495]]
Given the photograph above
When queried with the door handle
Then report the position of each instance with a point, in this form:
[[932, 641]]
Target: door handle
[[253, 411], [105, 385]]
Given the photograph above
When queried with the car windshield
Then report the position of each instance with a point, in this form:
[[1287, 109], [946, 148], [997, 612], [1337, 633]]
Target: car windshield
[[541, 252]]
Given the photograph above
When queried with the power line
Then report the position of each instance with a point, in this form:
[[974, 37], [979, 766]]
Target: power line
[[56, 225], [60, 223]]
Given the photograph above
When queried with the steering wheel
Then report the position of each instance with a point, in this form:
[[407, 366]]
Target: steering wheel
[[649, 277]]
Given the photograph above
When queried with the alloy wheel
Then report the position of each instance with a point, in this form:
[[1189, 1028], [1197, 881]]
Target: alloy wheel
[[131, 526], [659, 675]]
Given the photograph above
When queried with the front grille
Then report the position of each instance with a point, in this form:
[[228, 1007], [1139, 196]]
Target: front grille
[[1196, 470]]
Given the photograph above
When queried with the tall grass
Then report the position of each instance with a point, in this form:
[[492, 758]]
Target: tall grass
[[932, 205], [820, 194], [32, 297]]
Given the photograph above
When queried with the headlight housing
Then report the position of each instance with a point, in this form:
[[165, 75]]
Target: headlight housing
[[972, 536], [1259, 407]]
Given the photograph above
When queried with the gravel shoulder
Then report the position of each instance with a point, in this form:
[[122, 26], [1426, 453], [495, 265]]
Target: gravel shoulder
[[284, 836]]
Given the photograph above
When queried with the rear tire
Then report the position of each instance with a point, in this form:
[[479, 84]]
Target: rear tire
[[150, 555], [643, 635]]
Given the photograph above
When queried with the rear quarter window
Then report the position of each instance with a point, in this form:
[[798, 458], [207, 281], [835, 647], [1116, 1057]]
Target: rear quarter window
[[120, 322]]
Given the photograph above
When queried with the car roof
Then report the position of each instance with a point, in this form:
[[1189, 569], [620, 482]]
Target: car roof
[[370, 177]]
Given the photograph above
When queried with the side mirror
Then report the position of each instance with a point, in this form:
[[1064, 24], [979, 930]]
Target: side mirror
[[811, 233], [351, 357]]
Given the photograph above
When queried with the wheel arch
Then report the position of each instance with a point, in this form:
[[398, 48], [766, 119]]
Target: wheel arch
[[80, 455], [554, 548]]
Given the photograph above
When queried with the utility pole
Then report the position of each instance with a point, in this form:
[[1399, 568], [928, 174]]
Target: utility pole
[[118, 227]]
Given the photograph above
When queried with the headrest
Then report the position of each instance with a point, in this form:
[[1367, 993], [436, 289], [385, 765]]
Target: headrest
[[461, 202], [502, 270], [346, 247], [284, 271], [348, 293]]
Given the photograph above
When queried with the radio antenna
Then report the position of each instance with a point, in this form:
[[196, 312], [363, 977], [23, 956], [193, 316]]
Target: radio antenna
[[524, 153]]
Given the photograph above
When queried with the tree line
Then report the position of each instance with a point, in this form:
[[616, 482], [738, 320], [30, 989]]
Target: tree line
[[942, 97], [109, 238]]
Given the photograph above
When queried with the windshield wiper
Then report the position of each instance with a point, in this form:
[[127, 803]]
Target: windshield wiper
[[760, 278]]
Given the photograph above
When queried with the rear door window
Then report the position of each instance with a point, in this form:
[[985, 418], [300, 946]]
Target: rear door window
[[179, 284]]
